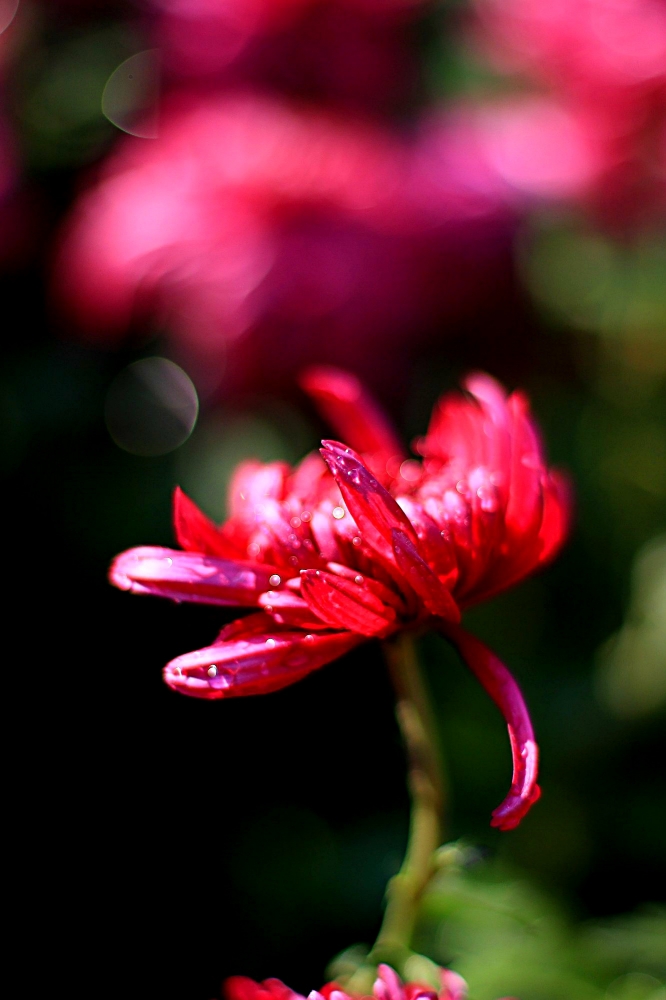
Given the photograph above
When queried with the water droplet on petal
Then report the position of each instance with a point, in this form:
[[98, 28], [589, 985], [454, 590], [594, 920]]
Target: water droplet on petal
[[309, 639], [268, 608], [293, 560], [358, 580], [270, 643], [295, 522], [338, 512], [275, 580], [169, 561], [356, 540], [212, 670], [488, 499], [306, 515], [253, 549]]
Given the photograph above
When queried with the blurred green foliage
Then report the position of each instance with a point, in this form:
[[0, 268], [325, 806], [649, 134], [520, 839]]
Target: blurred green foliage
[[505, 936]]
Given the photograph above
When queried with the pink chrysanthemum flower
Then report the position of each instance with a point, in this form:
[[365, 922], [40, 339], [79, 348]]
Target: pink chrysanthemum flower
[[361, 544], [387, 986]]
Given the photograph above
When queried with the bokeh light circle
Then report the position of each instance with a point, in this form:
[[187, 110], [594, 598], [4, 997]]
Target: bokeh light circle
[[151, 407], [130, 97], [8, 10]]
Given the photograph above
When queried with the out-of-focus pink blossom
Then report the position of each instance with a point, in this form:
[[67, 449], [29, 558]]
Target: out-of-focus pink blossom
[[515, 149], [531, 149], [590, 48], [595, 138], [356, 52], [253, 216]]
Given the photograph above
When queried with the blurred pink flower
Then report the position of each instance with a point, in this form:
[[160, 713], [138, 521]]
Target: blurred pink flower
[[589, 48], [352, 51], [353, 547], [248, 215], [516, 149], [596, 137]]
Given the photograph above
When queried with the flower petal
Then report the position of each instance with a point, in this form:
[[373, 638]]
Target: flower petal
[[434, 543], [243, 988], [190, 576], [388, 985], [504, 691], [287, 608], [524, 508], [194, 531], [428, 586], [453, 985], [375, 511], [353, 414], [254, 656], [253, 482], [557, 515], [345, 604]]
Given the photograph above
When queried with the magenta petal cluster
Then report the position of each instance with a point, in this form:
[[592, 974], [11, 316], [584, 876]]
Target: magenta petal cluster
[[353, 545], [387, 986]]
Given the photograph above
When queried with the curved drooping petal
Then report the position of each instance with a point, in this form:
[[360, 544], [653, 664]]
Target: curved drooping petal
[[191, 576], [343, 603], [255, 656], [355, 416], [504, 691]]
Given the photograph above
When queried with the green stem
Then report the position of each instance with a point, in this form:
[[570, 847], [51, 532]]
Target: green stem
[[426, 788]]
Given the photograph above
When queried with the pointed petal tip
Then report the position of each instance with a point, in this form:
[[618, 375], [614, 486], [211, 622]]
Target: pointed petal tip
[[454, 986], [503, 689], [330, 382], [513, 810], [125, 571], [332, 447]]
